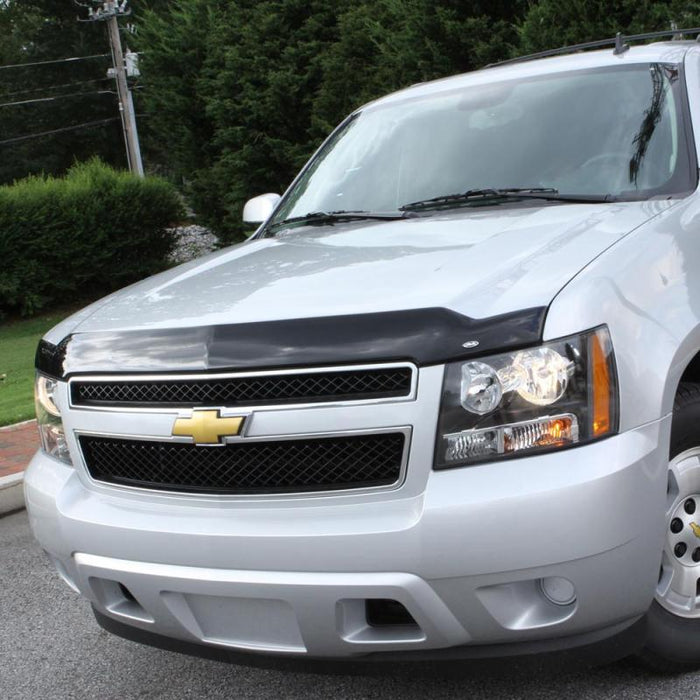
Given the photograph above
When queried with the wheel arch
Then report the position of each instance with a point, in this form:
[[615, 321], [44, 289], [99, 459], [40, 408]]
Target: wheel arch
[[691, 374], [683, 369]]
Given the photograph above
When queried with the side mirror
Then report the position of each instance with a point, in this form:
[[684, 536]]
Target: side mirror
[[260, 208]]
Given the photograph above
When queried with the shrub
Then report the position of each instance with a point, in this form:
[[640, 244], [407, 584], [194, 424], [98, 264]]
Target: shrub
[[73, 238]]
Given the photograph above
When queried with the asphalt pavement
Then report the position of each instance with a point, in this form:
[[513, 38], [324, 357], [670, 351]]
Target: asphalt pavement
[[51, 647]]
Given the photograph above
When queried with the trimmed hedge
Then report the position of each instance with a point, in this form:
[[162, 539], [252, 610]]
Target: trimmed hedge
[[77, 237]]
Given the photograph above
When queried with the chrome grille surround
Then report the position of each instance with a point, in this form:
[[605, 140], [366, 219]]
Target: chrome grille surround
[[265, 423], [294, 465]]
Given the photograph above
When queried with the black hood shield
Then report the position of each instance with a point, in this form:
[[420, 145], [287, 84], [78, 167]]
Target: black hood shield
[[424, 336]]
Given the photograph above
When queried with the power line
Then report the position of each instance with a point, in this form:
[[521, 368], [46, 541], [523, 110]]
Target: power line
[[58, 60], [53, 87], [55, 97], [84, 125]]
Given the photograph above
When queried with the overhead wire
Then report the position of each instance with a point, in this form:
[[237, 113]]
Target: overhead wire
[[54, 97], [54, 87], [84, 125], [55, 61]]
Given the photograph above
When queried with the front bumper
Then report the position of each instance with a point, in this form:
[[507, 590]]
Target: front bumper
[[291, 577]]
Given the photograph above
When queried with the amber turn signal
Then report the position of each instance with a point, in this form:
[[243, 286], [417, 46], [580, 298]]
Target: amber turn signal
[[601, 383]]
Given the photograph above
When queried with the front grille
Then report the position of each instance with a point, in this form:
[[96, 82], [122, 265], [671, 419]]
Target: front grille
[[281, 466], [271, 389]]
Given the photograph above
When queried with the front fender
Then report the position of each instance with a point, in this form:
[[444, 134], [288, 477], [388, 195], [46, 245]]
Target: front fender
[[646, 288]]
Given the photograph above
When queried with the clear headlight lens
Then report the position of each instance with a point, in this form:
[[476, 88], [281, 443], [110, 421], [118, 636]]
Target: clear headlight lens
[[51, 432], [542, 374], [481, 389], [557, 395]]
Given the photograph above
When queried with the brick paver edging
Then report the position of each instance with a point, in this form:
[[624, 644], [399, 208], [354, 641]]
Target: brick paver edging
[[18, 443]]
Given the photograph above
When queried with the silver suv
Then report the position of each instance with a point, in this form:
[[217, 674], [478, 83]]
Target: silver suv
[[444, 403]]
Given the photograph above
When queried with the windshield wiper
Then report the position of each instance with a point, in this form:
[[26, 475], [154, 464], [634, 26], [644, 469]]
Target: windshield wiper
[[331, 217], [491, 193]]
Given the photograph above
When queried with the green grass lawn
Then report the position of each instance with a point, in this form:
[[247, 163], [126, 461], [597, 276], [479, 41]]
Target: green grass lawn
[[18, 341]]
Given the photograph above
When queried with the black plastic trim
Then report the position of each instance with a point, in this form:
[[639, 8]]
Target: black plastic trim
[[424, 336], [49, 358]]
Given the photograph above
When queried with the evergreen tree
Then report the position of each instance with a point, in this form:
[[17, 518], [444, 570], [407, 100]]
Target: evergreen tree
[[553, 23]]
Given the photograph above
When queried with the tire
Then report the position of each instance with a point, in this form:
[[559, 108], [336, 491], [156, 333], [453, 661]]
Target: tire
[[673, 639]]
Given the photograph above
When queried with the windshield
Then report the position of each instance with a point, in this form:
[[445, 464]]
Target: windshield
[[613, 132]]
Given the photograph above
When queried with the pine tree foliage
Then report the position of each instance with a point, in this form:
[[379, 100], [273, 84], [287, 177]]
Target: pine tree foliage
[[552, 23]]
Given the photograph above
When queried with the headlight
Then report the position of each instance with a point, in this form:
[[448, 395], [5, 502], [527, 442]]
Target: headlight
[[559, 394], [48, 415]]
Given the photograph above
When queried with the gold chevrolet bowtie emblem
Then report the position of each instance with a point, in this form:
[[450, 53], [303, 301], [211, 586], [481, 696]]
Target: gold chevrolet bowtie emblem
[[207, 427], [695, 528]]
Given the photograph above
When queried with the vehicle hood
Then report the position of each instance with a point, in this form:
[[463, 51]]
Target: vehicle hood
[[478, 263]]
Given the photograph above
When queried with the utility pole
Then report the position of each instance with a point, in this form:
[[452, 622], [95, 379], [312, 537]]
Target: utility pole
[[109, 11]]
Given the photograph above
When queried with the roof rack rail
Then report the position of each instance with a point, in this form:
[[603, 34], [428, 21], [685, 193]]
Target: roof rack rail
[[619, 42]]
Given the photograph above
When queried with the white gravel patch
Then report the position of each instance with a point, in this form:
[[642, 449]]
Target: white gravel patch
[[192, 242]]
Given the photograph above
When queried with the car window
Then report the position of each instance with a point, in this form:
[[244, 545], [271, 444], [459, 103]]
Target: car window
[[613, 131]]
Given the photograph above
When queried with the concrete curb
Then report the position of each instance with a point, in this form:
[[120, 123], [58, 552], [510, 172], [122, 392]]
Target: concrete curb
[[11, 493]]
